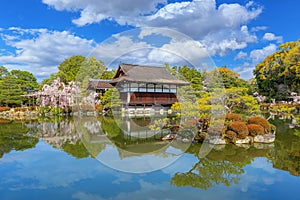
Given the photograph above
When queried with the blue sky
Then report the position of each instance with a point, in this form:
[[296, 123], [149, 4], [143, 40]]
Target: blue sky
[[37, 35]]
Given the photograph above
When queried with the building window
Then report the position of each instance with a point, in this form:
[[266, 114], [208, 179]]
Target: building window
[[150, 87], [166, 88], [134, 87], [158, 88], [142, 87], [173, 88]]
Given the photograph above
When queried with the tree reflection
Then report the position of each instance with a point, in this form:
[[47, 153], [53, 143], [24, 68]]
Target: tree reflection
[[13, 136], [287, 147], [61, 133], [287, 155], [219, 167], [77, 150], [206, 173]]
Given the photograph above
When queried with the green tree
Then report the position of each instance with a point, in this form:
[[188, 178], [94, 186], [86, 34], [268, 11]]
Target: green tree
[[111, 99], [191, 75], [80, 69], [108, 74], [48, 81], [224, 77], [68, 69], [15, 84], [279, 73], [25, 80], [235, 100], [10, 92], [3, 72], [91, 69]]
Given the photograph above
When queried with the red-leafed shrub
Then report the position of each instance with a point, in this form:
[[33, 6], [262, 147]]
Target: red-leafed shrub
[[260, 121], [255, 129], [233, 117], [2, 109], [230, 135], [240, 128]]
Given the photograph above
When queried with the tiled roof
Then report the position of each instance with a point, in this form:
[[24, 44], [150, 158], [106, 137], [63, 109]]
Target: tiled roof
[[148, 74], [99, 84]]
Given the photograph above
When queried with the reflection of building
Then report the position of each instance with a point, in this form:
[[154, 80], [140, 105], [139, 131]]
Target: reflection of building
[[143, 86], [137, 130]]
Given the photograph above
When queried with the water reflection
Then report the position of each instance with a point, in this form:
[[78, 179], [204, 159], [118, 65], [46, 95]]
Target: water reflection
[[123, 141], [221, 166], [13, 136], [128, 144], [287, 148]]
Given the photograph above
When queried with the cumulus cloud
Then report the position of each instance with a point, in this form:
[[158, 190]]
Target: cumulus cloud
[[241, 55], [91, 11], [40, 51], [199, 18], [258, 28], [220, 43], [143, 47], [255, 56], [118, 47], [223, 27], [272, 37], [258, 55]]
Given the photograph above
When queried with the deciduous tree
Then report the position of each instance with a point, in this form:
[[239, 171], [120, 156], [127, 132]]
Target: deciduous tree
[[279, 74]]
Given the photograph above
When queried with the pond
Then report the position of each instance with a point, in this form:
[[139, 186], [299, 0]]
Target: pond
[[105, 158]]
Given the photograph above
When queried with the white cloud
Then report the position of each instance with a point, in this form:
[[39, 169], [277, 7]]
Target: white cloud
[[40, 51], [272, 37], [134, 47], [255, 56], [258, 55], [188, 50], [220, 27], [258, 28], [241, 55], [118, 47], [222, 42], [95, 11]]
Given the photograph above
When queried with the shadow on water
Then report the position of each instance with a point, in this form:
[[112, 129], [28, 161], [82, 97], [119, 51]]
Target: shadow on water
[[223, 165]]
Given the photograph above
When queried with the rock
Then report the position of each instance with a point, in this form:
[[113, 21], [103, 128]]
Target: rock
[[169, 137], [247, 140], [218, 140], [267, 138]]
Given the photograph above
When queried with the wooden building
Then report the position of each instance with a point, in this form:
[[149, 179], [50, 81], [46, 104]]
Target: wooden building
[[143, 87], [100, 86], [146, 85]]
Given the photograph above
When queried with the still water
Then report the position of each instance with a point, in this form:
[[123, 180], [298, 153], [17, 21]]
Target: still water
[[105, 158]]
